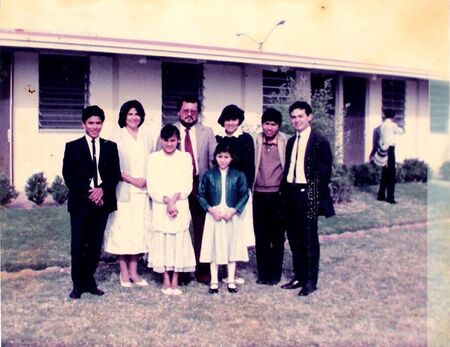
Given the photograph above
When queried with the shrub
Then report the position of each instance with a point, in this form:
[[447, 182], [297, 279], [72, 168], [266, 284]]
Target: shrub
[[7, 191], [59, 190], [415, 170], [445, 171], [365, 174], [400, 173], [341, 184], [36, 188]]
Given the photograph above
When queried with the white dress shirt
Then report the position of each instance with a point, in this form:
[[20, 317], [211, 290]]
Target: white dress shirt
[[301, 177]]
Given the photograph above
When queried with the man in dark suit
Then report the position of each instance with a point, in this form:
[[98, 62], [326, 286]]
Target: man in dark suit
[[306, 195], [91, 171]]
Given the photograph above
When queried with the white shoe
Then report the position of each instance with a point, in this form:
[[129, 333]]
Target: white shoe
[[124, 284], [237, 280], [167, 291], [177, 291], [141, 283]]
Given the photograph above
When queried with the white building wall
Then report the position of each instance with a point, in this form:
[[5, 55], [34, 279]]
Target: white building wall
[[221, 86], [253, 96], [34, 150]]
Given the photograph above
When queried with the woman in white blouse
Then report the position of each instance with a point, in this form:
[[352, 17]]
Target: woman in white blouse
[[127, 231]]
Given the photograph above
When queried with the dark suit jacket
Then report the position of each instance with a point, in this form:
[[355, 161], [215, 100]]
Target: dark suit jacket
[[318, 165], [210, 189], [78, 172]]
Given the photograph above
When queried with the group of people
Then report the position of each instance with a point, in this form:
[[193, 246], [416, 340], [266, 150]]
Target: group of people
[[134, 195]]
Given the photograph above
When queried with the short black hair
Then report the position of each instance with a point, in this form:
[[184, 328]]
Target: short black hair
[[90, 111], [223, 146], [389, 113], [301, 105], [190, 99], [272, 115], [168, 131], [231, 112], [126, 107]]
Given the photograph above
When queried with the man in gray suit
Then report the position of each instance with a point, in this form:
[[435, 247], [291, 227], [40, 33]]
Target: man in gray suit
[[200, 142]]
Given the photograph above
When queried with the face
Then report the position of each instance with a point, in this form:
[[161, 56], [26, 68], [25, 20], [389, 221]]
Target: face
[[93, 126], [170, 145], [188, 113], [300, 120], [270, 129], [223, 159], [231, 125], [133, 119]]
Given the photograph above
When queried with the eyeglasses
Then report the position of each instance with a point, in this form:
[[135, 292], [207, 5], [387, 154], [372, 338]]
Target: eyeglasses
[[189, 111]]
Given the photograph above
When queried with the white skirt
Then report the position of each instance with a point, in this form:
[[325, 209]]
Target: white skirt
[[171, 252], [246, 218], [223, 242], [128, 228]]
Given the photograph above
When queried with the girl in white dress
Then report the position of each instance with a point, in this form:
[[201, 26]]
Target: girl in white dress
[[127, 230], [223, 193], [169, 177]]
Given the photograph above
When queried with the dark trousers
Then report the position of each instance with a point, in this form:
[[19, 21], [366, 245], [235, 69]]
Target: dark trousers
[[387, 182], [87, 229], [302, 235], [202, 271], [269, 235]]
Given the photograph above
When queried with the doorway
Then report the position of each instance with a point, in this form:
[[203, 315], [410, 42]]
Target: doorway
[[354, 120]]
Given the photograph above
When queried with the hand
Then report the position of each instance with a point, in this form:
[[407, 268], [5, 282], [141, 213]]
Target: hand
[[96, 195], [139, 182], [230, 214], [215, 213], [171, 209]]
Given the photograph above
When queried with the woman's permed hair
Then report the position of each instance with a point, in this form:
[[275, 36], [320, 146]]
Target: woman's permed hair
[[126, 107]]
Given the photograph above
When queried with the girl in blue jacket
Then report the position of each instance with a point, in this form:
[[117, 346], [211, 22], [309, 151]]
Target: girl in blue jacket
[[223, 193]]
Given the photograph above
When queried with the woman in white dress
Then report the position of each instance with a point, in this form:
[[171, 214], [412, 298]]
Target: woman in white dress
[[127, 230], [169, 177]]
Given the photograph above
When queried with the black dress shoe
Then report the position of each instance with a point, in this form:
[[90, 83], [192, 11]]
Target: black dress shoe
[[213, 291], [96, 291], [391, 201], [272, 282], [261, 281], [75, 294], [232, 289], [293, 284], [306, 290], [381, 199]]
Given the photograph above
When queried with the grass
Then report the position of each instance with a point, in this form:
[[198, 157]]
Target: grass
[[372, 291], [40, 237], [373, 287]]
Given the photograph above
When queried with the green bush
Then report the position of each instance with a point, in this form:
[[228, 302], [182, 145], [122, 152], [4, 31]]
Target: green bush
[[400, 173], [36, 188], [415, 170], [365, 174], [7, 191], [59, 190], [445, 171], [341, 184]]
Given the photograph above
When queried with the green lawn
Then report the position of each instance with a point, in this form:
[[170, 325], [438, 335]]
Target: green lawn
[[40, 237]]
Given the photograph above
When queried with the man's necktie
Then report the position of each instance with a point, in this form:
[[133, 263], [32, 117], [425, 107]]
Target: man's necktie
[[296, 157], [94, 164], [188, 148]]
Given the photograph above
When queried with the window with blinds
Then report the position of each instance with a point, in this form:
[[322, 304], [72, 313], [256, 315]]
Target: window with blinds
[[179, 80], [63, 90], [439, 106], [393, 97], [277, 87]]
